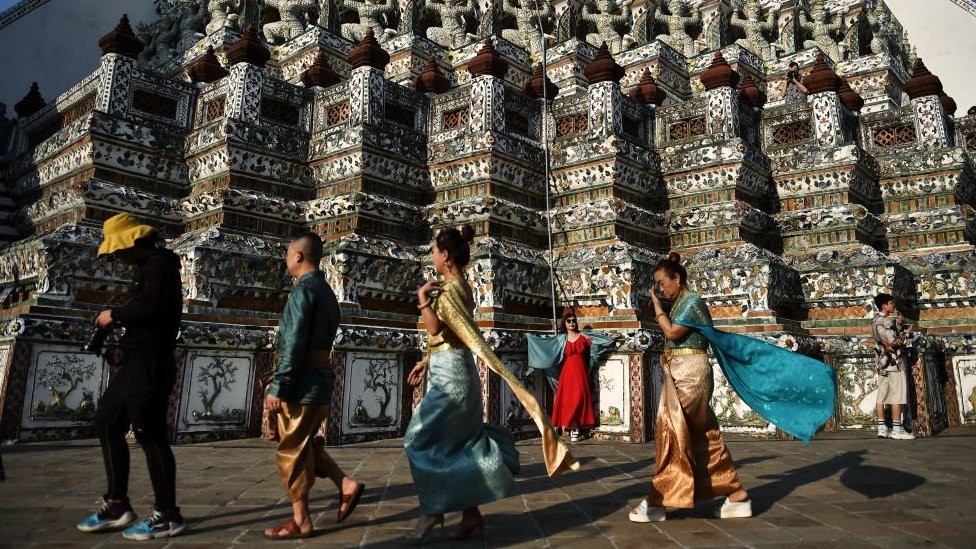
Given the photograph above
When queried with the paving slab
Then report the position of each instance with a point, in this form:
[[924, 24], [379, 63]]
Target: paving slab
[[841, 490]]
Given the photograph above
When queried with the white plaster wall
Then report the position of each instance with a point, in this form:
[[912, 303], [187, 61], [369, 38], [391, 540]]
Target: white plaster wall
[[944, 34], [56, 44]]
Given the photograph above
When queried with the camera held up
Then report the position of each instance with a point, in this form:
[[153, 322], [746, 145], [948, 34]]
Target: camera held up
[[96, 341]]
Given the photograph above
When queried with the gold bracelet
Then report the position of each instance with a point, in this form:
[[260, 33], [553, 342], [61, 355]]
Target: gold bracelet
[[424, 306], [659, 315]]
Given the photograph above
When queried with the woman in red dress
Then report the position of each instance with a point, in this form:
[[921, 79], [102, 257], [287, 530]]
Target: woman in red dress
[[573, 406]]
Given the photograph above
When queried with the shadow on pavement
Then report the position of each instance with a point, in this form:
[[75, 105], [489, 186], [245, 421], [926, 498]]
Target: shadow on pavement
[[869, 480]]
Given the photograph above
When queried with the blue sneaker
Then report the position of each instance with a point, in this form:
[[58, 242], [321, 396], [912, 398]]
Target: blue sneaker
[[110, 515], [159, 524]]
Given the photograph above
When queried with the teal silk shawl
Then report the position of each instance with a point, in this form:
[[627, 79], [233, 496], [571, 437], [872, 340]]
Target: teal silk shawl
[[792, 391], [546, 353]]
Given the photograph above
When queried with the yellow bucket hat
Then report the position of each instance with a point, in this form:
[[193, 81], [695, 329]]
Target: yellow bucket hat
[[121, 232]]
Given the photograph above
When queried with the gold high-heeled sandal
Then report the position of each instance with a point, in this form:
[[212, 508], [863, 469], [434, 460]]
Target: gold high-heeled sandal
[[413, 538]]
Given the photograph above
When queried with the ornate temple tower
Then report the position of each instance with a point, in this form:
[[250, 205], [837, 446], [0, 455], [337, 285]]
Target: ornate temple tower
[[582, 141]]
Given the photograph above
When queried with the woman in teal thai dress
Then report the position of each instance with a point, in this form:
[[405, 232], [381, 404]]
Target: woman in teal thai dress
[[458, 462], [692, 463]]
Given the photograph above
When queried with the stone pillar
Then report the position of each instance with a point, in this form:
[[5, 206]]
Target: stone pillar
[[824, 84], [604, 109], [366, 96], [116, 79], [487, 98], [930, 122], [244, 92], [722, 112]]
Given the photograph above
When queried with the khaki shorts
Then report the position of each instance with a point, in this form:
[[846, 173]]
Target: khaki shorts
[[893, 388]]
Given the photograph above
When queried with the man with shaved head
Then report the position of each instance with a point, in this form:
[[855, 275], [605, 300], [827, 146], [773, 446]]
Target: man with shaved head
[[301, 391]]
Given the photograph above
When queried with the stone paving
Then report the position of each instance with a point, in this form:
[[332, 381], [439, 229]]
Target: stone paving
[[842, 490]]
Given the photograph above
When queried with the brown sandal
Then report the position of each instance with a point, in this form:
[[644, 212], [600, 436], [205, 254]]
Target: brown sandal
[[287, 530], [350, 501]]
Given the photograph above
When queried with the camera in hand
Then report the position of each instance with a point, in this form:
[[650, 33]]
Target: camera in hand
[[96, 341], [793, 75]]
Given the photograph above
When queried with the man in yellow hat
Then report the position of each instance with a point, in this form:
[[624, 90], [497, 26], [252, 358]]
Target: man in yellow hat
[[138, 395]]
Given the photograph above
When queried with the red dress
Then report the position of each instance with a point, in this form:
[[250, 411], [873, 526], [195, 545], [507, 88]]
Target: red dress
[[573, 403]]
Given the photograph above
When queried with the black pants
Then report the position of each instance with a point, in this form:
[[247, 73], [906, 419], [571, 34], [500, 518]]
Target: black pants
[[139, 395]]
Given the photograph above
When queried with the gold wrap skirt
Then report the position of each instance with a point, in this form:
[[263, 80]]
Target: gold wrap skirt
[[691, 460], [300, 458]]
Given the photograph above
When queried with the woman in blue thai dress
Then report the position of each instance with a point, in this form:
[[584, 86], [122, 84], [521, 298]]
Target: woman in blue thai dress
[[458, 462], [692, 463]]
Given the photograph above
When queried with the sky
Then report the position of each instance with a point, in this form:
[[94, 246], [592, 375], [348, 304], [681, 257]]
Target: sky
[[4, 4]]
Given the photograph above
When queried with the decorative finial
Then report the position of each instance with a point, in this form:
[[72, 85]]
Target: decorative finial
[[249, 49], [319, 73], [431, 79], [603, 68], [719, 74], [121, 40], [207, 69], [31, 103], [369, 53], [488, 61]]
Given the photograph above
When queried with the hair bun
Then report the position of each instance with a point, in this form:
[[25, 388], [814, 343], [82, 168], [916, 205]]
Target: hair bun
[[673, 256], [467, 232]]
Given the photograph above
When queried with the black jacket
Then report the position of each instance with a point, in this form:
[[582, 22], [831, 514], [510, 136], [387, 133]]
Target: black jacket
[[152, 318]]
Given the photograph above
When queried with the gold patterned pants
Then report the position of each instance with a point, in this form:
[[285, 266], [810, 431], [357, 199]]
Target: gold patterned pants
[[692, 462], [300, 456]]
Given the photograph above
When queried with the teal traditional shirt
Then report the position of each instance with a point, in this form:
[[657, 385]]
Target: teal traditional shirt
[[689, 308], [305, 334]]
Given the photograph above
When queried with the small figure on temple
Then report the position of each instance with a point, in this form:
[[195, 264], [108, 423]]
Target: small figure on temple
[[795, 91], [610, 16], [821, 26], [756, 29], [677, 23], [530, 22], [456, 16], [372, 14]]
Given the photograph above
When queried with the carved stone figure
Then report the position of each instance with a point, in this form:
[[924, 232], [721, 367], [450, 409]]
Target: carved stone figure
[[879, 20], [372, 14], [754, 28], [150, 41], [191, 22], [677, 23], [295, 16], [162, 44], [528, 21], [820, 24], [609, 18], [456, 15], [218, 10]]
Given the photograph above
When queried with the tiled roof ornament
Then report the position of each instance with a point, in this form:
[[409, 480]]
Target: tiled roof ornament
[[603, 68], [431, 79], [249, 49], [539, 85], [207, 69], [320, 73], [369, 53], [647, 91], [31, 103], [822, 78], [488, 61], [719, 74], [922, 83], [121, 40]]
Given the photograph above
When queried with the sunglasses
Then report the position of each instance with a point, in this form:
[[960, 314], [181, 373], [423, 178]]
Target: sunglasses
[[568, 320]]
